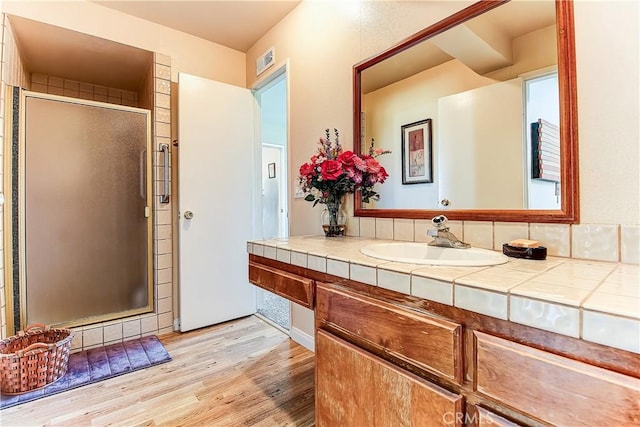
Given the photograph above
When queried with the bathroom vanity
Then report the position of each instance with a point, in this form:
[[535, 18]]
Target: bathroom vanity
[[401, 344]]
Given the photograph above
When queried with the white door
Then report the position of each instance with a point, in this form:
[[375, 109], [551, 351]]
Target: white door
[[216, 154], [274, 219]]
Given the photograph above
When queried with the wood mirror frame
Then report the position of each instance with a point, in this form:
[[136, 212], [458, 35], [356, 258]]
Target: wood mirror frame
[[569, 212]]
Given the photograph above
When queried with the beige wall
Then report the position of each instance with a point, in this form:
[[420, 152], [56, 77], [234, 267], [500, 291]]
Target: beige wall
[[608, 110], [323, 40], [330, 37]]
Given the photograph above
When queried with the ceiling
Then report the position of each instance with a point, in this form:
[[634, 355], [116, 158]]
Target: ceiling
[[236, 24]]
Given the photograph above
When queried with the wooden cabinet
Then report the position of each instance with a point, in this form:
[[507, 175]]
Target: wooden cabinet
[[477, 416], [356, 388], [389, 359], [288, 285], [552, 388], [428, 343]]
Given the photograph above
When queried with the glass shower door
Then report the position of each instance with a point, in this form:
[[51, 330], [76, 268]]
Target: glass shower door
[[86, 232]]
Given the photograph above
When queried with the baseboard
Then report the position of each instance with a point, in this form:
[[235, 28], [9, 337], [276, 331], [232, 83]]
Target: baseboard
[[302, 338]]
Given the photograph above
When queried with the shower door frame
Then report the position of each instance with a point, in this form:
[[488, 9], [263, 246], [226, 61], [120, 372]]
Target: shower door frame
[[10, 188]]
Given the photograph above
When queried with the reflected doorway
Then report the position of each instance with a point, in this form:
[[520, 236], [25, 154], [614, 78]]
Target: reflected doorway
[[272, 101]]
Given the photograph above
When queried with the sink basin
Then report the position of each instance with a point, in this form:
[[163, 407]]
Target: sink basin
[[422, 253]]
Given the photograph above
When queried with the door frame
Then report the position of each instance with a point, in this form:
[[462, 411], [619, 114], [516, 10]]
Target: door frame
[[280, 70]]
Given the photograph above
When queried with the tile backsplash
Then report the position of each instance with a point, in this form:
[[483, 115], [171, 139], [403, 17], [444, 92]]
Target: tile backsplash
[[597, 242]]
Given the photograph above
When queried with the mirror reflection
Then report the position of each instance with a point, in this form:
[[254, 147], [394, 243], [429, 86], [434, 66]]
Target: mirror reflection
[[488, 90]]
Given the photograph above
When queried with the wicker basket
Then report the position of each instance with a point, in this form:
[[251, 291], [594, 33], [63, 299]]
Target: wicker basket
[[34, 358]]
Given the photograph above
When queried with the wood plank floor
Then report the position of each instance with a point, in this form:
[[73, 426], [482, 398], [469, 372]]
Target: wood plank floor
[[240, 373]]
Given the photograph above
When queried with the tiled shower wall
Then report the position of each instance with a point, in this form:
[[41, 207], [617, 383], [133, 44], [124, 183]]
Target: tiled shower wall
[[156, 93], [64, 87], [11, 73]]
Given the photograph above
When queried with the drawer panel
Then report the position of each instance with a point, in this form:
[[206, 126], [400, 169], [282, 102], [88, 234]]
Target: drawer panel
[[431, 344], [354, 387], [477, 416], [288, 285], [553, 388]]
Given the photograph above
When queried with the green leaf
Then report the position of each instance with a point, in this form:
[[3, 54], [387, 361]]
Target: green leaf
[[310, 198]]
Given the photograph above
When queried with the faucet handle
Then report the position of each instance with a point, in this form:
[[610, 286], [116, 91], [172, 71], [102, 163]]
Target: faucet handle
[[440, 222]]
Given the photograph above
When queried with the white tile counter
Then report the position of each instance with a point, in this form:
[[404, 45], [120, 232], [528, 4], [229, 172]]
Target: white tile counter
[[591, 300]]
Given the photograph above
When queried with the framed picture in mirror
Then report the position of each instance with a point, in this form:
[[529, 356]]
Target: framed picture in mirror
[[417, 158]]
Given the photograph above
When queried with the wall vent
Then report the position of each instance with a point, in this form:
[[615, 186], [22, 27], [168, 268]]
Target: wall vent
[[265, 61]]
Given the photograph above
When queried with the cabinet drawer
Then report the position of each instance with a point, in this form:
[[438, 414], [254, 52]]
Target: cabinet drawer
[[553, 388], [288, 285], [431, 344], [477, 416], [356, 388]]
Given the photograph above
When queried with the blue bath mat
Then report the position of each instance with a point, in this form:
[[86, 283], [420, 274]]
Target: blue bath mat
[[90, 366]]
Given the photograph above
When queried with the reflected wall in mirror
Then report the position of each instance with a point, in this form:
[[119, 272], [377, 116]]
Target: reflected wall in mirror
[[497, 80]]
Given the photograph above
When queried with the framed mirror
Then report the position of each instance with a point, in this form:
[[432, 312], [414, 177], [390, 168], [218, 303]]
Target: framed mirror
[[496, 82]]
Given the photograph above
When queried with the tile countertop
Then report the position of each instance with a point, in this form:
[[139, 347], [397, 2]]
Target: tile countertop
[[591, 300]]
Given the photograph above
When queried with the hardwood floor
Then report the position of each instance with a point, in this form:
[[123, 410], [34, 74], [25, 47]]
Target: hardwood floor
[[240, 373]]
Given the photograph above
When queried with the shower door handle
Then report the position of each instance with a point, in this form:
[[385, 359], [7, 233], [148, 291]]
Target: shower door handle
[[164, 198], [143, 175]]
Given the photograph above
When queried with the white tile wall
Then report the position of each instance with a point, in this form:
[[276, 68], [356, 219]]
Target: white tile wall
[[610, 330], [403, 229], [543, 315], [270, 252], [432, 289], [492, 304], [478, 234], [630, 244], [363, 273], [504, 232], [161, 321], [392, 280], [283, 255], [367, 227], [338, 268], [299, 259], [597, 242], [58, 86], [384, 228], [318, 263]]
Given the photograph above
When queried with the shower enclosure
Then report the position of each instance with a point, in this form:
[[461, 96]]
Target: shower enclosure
[[81, 211]]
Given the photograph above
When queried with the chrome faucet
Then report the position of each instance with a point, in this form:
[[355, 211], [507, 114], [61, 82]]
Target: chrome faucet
[[442, 236]]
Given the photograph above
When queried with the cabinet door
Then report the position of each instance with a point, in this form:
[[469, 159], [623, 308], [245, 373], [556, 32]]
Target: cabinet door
[[356, 388], [478, 416], [421, 340], [552, 388]]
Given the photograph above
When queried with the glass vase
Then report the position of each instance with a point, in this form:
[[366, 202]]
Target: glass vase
[[334, 220]]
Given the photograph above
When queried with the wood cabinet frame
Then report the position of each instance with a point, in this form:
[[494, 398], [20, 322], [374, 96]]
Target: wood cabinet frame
[[463, 379]]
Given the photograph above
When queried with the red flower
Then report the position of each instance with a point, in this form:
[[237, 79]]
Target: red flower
[[331, 170], [382, 175], [347, 158], [373, 166], [360, 164], [307, 170]]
